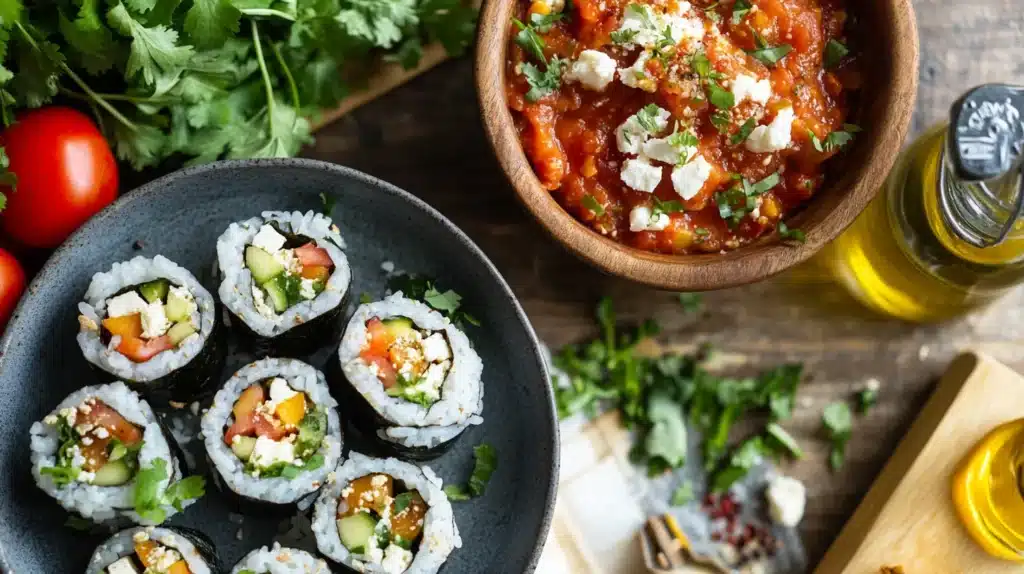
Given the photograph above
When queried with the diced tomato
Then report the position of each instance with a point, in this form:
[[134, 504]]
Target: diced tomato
[[315, 272], [244, 426], [103, 416], [379, 342], [255, 424], [291, 411], [140, 350], [248, 401], [385, 371], [310, 254], [409, 522], [355, 500], [125, 326]]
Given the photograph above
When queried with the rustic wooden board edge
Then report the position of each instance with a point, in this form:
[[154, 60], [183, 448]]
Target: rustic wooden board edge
[[856, 530]]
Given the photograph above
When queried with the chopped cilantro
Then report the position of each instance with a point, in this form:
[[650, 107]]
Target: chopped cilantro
[[866, 399], [743, 458], [624, 36], [744, 132], [835, 51], [834, 140], [528, 39], [365, 298], [456, 493], [770, 55], [792, 234], [700, 64], [683, 494], [721, 119], [720, 97], [449, 302], [486, 462], [592, 204], [781, 437], [61, 475], [328, 202], [665, 440], [543, 22], [543, 83], [148, 498], [691, 302], [648, 117], [739, 11], [838, 422], [643, 12], [667, 207], [736, 202]]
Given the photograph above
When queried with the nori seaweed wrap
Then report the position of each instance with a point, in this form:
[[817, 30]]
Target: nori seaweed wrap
[[156, 550], [151, 324], [408, 379], [283, 280]]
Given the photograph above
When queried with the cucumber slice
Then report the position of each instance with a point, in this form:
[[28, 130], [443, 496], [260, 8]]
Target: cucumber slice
[[179, 332], [177, 308], [277, 295], [262, 264], [113, 473], [155, 290], [394, 391], [356, 530], [243, 447], [398, 327]]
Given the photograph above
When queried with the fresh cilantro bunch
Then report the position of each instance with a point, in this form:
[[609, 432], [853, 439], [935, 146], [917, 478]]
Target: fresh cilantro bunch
[[201, 80]]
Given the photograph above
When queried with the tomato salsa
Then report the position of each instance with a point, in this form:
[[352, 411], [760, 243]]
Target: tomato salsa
[[681, 127]]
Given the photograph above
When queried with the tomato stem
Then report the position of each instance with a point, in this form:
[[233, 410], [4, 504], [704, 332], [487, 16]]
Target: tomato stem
[[81, 84]]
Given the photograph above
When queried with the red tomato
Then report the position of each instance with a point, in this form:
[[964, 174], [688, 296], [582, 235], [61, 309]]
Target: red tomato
[[140, 350], [12, 285], [310, 254], [66, 173]]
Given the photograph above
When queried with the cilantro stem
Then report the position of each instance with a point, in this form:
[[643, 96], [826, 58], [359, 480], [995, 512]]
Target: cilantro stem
[[120, 97], [267, 12], [288, 76], [266, 77], [81, 84]]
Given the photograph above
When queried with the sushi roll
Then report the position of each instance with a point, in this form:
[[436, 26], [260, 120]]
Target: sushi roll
[[385, 515], [284, 277], [410, 379], [280, 560], [273, 433], [102, 454], [150, 323], [154, 550]]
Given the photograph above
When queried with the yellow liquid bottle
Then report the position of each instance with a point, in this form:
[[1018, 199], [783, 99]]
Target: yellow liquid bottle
[[945, 233], [988, 492]]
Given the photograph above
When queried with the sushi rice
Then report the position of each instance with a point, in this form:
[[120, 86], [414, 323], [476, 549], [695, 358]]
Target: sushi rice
[[137, 271], [440, 534], [280, 560], [232, 470], [105, 504], [236, 287], [414, 424], [123, 543]]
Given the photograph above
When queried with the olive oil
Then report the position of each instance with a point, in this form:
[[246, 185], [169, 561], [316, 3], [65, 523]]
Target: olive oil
[[988, 492], [935, 244]]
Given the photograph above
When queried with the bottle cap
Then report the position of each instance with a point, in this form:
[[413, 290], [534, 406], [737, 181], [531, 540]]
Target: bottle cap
[[987, 132]]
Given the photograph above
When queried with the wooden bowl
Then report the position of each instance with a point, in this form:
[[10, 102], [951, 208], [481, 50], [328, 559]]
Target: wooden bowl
[[889, 39]]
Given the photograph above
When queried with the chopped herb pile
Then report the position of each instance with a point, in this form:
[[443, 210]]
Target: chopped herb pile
[[838, 423], [422, 288], [213, 78], [485, 465], [658, 396], [149, 499]]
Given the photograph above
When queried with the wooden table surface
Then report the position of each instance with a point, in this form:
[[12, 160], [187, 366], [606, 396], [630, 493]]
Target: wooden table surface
[[427, 138]]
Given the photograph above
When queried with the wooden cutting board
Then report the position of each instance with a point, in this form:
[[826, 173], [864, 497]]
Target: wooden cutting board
[[907, 517]]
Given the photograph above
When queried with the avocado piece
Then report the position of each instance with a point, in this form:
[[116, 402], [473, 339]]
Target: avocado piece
[[262, 265], [154, 290], [180, 331], [113, 473], [278, 297], [177, 307], [355, 531], [398, 327], [243, 446], [312, 429]]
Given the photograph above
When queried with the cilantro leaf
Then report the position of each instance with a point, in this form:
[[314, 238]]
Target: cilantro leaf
[[486, 464], [142, 146], [721, 119], [744, 132], [451, 22], [147, 496], [867, 398], [592, 204], [154, 51], [666, 439], [38, 65], [720, 97], [61, 475], [528, 39], [838, 423], [781, 437], [543, 83], [691, 302], [682, 495], [456, 493], [739, 11], [769, 55], [402, 501], [189, 488], [624, 36], [409, 53], [835, 51], [379, 23], [792, 234], [447, 302], [91, 42], [743, 459], [834, 140], [544, 22], [209, 23], [647, 117]]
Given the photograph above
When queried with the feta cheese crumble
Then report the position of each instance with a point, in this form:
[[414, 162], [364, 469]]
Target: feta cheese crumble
[[787, 498], [435, 348], [306, 290], [690, 178], [593, 69], [746, 87], [640, 174], [268, 239], [641, 218], [125, 304], [154, 320], [268, 452], [776, 136], [636, 76], [631, 134], [668, 150]]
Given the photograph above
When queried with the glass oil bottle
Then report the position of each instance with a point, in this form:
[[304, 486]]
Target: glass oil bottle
[[946, 232]]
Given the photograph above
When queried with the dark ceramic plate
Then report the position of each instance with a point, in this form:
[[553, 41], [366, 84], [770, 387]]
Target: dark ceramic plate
[[181, 216]]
